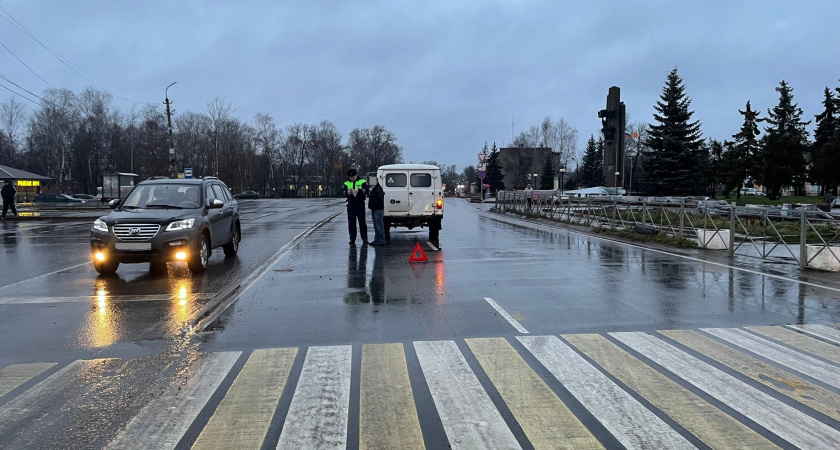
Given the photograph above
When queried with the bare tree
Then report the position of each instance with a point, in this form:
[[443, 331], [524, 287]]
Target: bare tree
[[269, 141], [220, 111], [297, 148], [328, 154], [12, 114], [373, 147]]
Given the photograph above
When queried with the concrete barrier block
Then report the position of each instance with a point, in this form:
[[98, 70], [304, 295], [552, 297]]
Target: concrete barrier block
[[713, 239], [823, 258]]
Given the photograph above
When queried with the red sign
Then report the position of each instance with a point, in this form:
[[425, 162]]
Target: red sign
[[414, 254]]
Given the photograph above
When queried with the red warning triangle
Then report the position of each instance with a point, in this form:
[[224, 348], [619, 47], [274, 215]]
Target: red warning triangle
[[415, 258]]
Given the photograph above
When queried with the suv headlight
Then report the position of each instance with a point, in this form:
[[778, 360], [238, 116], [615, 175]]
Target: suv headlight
[[100, 225], [180, 225]]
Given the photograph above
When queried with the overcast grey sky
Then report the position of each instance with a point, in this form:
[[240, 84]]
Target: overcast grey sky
[[443, 76]]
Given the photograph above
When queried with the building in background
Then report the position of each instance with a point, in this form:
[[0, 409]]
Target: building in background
[[28, 184]]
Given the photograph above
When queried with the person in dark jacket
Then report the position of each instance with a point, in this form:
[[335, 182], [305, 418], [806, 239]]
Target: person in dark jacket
[[376, 204], [8, 193], [356, 190]]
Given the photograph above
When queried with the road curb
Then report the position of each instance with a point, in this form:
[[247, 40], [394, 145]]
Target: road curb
[[229, 297]]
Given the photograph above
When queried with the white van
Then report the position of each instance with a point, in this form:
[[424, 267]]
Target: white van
[[413, 197]]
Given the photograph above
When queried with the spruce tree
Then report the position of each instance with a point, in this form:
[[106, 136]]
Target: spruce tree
[[783, 145], [547, 176], [592, 171], [495, 176], [742, 157], [825, 151], [675, 151]]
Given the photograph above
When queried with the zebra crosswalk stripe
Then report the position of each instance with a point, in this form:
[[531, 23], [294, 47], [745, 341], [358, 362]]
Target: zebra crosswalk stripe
[[544, 418], [702, 419], [244, 415], [785, 421], [806, 343], [470, 419], [319, 411], [821, 331], [785, 383], [792, 359], [15, 375], [155, 426], [387, 414], [628, 420]]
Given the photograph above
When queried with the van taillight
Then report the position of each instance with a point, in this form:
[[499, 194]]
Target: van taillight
[[439, 203]]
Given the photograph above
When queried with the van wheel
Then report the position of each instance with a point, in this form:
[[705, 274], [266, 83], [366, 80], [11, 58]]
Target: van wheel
[[434, 230]]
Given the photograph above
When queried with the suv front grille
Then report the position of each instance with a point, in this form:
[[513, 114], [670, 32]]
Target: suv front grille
[[140, 232]]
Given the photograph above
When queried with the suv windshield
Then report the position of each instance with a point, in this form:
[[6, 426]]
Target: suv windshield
[[169, 195]]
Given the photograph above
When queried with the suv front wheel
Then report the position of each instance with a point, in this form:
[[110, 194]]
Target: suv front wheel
[[198, 262], [232, 247], [106, 267]]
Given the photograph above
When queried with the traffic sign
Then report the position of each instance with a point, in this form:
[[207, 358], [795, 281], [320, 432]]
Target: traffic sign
[[482, 174], [481, 157], [188, 172]]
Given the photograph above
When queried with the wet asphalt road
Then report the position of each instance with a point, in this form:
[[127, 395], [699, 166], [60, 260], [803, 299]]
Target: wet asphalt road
[[55, 307], [323, 292]]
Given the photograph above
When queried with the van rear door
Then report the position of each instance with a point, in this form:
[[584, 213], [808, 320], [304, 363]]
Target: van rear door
[[395, 185], [421, 191]]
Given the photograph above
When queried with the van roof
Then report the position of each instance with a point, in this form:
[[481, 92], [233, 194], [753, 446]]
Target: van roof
[[409, 167]]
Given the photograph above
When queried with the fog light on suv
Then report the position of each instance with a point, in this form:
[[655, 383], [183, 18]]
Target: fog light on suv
[[181, 256], [99, 256]]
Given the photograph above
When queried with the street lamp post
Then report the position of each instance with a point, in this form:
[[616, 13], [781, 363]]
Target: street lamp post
[[562, 175], [173, 165]]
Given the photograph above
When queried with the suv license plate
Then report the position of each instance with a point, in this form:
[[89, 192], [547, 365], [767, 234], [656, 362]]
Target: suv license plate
[[133, 246]]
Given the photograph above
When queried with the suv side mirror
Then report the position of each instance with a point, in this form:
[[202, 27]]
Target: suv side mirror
[[215, 204], [113, 203]]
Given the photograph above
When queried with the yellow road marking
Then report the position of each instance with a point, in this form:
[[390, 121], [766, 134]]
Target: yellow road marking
[[786, 383], [544, 418], [387, 414], [243, 416], [13, 376], [702, 419], [802, 342]]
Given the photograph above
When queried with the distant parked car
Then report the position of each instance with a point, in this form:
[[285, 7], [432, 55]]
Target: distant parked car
[[57, 199], [751, 192], [84, 196], [246, 195]]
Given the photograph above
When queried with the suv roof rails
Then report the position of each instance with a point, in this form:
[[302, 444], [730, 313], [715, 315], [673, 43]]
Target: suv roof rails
[[157, 177]]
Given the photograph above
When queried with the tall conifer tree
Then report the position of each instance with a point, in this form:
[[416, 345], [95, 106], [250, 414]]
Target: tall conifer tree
[[784, 144], [825, 151], [741, 160], [495, 176], [675, 151]]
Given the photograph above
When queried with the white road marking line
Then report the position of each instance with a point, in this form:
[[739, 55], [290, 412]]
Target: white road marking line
[[507, 316], [628, 420], [20, 406], [164, 420], [432, 246], [469, 417], [44, 275], [110, 299], [742, 269], [249, 281], [785, 421], [820, 331], [790, 358], [317, 417]]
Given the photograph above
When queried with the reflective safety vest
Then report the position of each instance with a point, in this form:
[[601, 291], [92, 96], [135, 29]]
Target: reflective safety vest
[[358, 184]]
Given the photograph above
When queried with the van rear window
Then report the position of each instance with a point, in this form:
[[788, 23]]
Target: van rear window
[[421, 180], [395, 179]]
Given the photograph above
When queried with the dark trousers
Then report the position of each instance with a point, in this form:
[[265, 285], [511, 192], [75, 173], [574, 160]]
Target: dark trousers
[[9, 204], [356, 212]]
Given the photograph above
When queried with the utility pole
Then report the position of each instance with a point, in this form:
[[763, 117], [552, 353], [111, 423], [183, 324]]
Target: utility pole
[[173, 162]]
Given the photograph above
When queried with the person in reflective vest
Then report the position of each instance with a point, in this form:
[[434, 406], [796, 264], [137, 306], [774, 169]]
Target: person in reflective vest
[[356, 191]]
